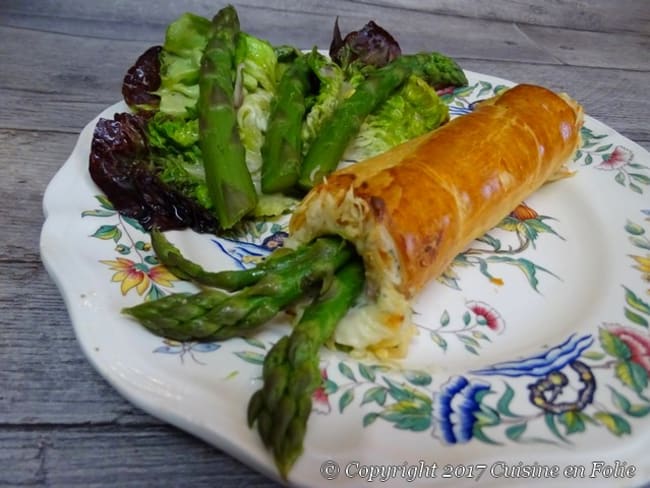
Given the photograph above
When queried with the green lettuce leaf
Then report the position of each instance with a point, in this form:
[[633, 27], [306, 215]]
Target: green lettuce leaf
[[413, 110], [180, 62]]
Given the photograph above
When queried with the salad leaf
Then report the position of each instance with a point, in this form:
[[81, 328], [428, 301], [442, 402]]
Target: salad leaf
[[180, 61], [413, 110], [120, 166], [330, 90], [176, 155], [258, 64], [141, 80], [370, 46]]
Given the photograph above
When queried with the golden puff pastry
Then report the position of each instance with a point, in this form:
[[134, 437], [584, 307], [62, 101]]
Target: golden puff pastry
[[411, 210]]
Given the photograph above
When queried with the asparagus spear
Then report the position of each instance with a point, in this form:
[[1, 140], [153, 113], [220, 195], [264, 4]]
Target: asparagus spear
[[231, 280], [229, 183], [282, 148], [162, 319], [327, 149], [211, 318], [291, 372]]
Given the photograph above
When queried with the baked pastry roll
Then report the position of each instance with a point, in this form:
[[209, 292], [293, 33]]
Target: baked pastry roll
[[411, 210]]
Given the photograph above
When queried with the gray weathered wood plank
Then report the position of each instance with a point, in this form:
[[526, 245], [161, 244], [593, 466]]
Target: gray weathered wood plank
[[592, 15], [85, 456]]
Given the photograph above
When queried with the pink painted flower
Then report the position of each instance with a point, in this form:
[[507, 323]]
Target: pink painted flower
[[638, 344], [487, 315], [320, 398], [619, 158]]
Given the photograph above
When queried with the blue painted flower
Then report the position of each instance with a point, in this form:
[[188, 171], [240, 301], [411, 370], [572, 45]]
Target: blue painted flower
[[245, 254], [541, 365], [242, 253], [454, 409]]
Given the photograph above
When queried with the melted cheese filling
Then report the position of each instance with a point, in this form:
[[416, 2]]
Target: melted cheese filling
[[380, 323]]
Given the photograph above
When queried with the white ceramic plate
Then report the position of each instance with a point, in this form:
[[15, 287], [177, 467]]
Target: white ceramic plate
[[532, 361]]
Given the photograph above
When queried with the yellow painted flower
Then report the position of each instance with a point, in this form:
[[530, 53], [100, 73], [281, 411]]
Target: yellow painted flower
[[138, 275]]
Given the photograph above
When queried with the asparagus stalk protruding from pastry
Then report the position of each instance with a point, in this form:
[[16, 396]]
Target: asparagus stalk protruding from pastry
[[228, 180], [291, 370], [237, 314], [231, 280], [282, 148], [327, 150]]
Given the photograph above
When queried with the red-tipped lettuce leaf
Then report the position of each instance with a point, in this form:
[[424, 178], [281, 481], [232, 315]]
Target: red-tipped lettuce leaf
[[370, 46], [119, 165]]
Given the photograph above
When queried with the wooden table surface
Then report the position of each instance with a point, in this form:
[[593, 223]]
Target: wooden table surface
[[62, 62]]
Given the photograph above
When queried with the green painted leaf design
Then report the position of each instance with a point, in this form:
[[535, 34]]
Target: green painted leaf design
[[444, 319], [634, 229], [639, 242], [613, 345], [514, 432], [104, 202], [398, 392], [528, 268], [620, 400], [477, 334], [467, 318], [346, 399], [98, 213], [635, 302], [346, 371], [330, 387], [151, 259], [251, 357], [572, 421], [468, 341], [486, 88], [589, 159], [107, 232], [616, 424], [620, 178], [487, 416], [471, 349], [439, 340], [366, 372], [640, 178], [503, 405], [369, 418], [491, 241], [594, 355], [635, 188], [407, 415], [255, 343], [479, 435], [376, 394], [418, 378], [632, 375], [154, 293], [123, 249], [133, 223], [549, 419], [635, 317], [464, 92]]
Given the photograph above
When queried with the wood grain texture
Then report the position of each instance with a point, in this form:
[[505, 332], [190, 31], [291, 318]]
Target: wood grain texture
[[61, 63]]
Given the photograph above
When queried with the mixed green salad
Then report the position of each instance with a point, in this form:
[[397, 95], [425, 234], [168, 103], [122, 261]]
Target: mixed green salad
[[225, 126]]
